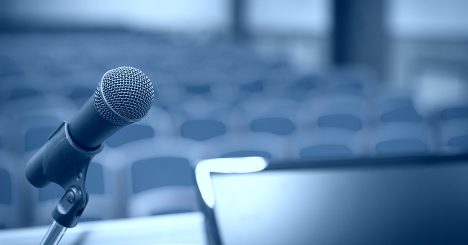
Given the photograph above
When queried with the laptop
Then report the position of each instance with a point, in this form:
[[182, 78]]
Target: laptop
[[376, 200]]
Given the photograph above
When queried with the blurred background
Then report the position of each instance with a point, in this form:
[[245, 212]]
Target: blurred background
[[281, 79]]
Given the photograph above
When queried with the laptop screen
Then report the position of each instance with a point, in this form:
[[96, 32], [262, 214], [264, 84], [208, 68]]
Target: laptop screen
[[401, 204]]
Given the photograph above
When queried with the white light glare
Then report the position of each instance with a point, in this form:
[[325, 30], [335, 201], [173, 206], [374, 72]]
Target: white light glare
[[223, 165]]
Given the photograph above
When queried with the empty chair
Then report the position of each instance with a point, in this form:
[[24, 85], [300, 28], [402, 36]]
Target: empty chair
[[353, 81], [131, 133], [398, 127], [201, 120], [198, 89], [303, 87], [35, 128], [19, 93], [401, 138], [453, 127], [173, 96], [396, 106], [334, 111], [6, 203], [268, 146], [327, 143], [454, 112], [454, 135], [12, 197], [160, 176], [202, 129], [80, 94], [331, 127], [271, 116]]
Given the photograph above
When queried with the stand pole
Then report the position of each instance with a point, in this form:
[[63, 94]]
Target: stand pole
[[54, 234]]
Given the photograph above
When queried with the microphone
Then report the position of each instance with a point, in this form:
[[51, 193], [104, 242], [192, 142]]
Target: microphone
[[124, 96]]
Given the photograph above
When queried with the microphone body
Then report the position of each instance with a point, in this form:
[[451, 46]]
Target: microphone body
[[88, 129]]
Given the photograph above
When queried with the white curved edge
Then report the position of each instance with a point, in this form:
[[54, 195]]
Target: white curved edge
[[205, 168]]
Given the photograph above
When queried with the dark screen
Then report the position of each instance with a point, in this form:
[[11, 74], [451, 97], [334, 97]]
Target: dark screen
[[406, 205]]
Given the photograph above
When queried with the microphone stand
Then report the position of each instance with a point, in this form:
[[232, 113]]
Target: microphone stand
[[71, 177], [66, 214], [54, 234]]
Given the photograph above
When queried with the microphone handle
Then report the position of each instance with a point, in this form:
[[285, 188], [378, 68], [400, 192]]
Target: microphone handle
[[88, 128]]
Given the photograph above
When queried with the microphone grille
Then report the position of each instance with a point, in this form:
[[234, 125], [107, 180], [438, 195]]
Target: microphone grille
[[124, 95]]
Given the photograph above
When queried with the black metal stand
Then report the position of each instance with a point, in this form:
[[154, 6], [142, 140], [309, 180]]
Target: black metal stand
[[54, 234], [66, 214], [65, 163]]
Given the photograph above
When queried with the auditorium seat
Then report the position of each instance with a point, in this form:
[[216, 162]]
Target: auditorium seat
[[19, 93], [395, 105], [453, 127], [34, 128], [454, 112], [351, 80], [332, 125], [214, 98], [454, 135], [271, 116], [268, 146], [10, 68], [401, 138], [6, 190], [397, 108], [302, 87], [79, 94], [159, 174], [131, 133], [334, 111], [12, 196], [202, 129], [328, 143], [201, 120], [399, 128]]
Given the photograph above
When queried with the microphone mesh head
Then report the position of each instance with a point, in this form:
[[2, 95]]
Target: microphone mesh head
[[124, 95]]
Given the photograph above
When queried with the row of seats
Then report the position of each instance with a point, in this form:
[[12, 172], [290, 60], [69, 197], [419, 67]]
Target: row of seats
[[288, 119], [215, 98], [146, 170]]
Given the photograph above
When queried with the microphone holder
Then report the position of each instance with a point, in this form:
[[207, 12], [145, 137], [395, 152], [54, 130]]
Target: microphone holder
[[66, 214], [71, 176]]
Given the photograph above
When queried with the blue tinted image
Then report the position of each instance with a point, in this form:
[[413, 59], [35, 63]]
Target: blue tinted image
[[286, 80]]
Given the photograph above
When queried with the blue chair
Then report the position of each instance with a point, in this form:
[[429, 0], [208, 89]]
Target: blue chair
[[454, 113], [333, 111], [159, 174], [12, 195], [268, 146], [6, 197], [401, 138], [131, 133], [454, 134], [201, 120], [202, 129], [397, 108], [352, 81], [328, 143], [20, 93], [271, 116], [331, 127], [35, 128], [80, 94]]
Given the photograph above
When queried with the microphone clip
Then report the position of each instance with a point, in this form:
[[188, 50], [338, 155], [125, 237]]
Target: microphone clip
[[48, 165]]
